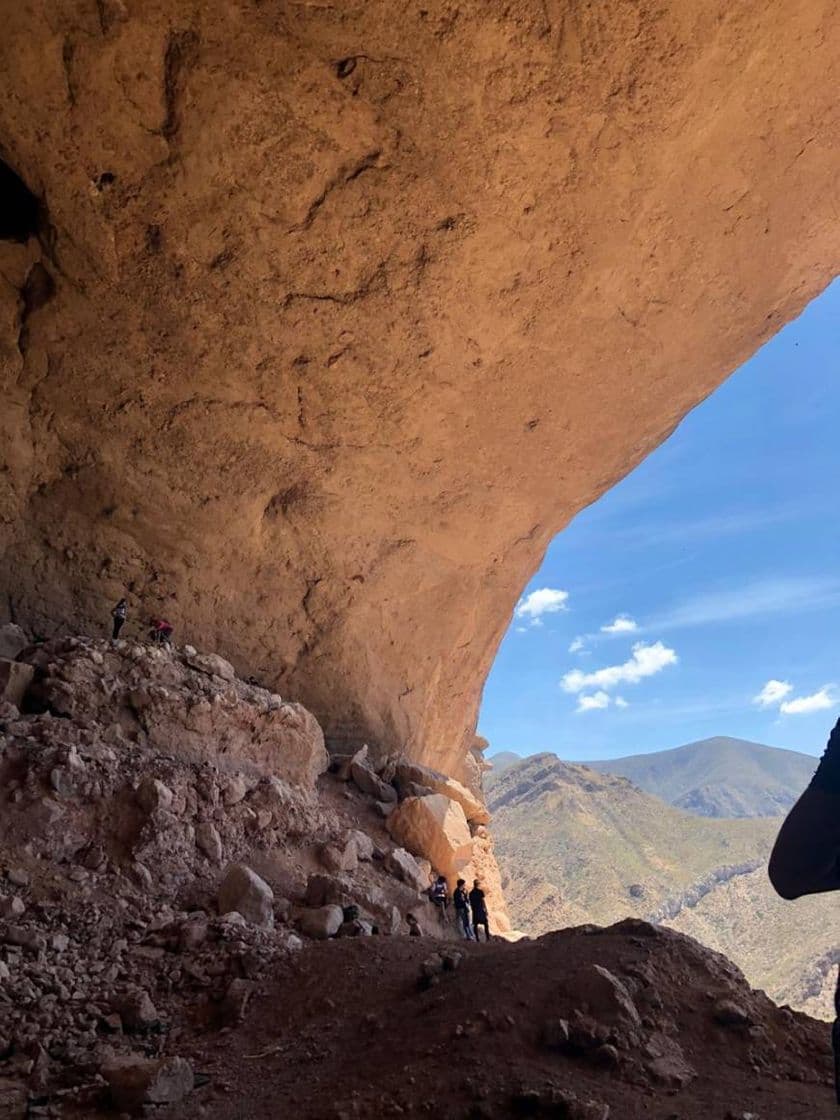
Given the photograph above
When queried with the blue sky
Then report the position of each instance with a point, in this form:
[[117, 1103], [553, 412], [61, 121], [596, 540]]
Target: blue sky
[[723, 551]]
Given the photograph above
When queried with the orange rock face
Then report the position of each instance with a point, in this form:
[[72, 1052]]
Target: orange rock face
[[329, 316]]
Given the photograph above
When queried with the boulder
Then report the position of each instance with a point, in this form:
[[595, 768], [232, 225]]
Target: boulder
[[322, 923], [12, 640], [412, 773], [402, 865], [15, 679], [435, 828], [369, 782], [134, 1081], [243, 891], [209, 663]]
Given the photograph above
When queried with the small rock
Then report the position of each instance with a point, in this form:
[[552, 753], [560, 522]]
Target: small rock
[[365, 846], [369, 782], [208, 841], [338, 858], [153, 795], [136, 1010], [235, 1001], [134, 1081], [234, 790], [555, 1034], [403, 866], [245, 892], [322, 923], [728, 1013], [18, 877], [11, 906], [60, 942], [26, 938]]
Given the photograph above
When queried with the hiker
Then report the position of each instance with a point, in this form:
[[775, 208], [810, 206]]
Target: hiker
[[161, 632], [479, 911], [118, 614], [438, 893], [462, 909], [806, 856]]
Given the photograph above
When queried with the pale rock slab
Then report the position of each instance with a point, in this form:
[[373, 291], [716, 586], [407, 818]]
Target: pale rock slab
[[435, 828], [244, 892]]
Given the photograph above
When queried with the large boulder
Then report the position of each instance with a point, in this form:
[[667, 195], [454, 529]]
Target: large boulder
[[436, 828], [15, 679], [244, 892], [409, 774]]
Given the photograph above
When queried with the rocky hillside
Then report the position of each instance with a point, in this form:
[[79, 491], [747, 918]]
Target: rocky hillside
[[201, 911], [578, 846], [719, 777]]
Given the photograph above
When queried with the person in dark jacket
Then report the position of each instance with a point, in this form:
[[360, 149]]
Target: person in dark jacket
[[118, 614], [462, 909], [479, 911], [806, 856]]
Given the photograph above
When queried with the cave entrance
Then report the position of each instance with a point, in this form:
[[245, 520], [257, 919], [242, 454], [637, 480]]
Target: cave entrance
[[18, 207], [669, 678]]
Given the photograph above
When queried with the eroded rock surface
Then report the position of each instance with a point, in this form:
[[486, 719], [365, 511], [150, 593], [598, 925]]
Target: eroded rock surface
[[325, 318]]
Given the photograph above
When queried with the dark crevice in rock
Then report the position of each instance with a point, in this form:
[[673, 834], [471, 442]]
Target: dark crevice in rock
[[19, 207], [38, 289]]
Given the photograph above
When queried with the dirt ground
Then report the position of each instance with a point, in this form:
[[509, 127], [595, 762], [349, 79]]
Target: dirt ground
[[346, 1030]]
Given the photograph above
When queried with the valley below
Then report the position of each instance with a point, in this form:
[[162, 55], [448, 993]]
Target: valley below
[[578, 846]]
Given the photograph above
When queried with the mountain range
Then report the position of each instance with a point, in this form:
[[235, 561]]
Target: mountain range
[[578, 845], [718, 777]]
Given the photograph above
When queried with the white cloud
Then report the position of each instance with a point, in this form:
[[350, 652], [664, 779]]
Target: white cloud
[[646, 661], [593, 703], [816, 702], [547, 600], [620, 702], [621, 624], [773, 693], [577, 645]]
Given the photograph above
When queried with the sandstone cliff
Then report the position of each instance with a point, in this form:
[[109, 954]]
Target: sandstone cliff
[[318, 321]]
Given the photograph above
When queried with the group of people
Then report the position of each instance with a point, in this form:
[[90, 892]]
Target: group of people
[[470, 907], [160, 631]]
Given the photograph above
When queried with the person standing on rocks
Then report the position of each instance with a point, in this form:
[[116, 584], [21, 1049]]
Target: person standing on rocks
[[462, 910], [806, 856], [118, 614], [439, 894], [478, 906]]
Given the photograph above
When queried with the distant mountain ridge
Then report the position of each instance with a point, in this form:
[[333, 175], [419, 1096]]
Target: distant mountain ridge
[[719, 777]]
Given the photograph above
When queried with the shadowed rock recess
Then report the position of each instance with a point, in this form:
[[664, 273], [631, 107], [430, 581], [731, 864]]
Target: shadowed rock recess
[[317, 322]]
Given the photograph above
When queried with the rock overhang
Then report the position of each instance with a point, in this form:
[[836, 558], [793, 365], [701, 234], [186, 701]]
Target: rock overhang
[[347, 315]]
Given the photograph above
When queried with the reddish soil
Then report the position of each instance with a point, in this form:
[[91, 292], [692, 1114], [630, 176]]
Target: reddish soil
[[346, 1030]]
